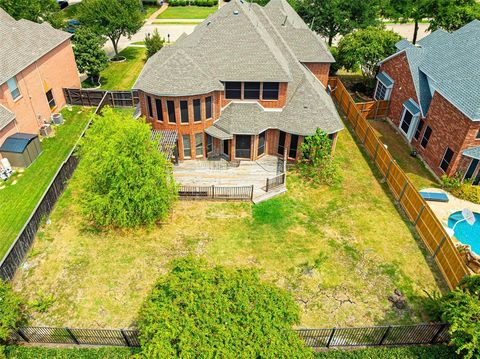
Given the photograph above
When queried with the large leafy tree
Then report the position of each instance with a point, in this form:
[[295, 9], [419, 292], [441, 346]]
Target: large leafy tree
[[124, 181], [363, 49], [34, 10], [111, 18], [197, 311], [330, 18], [452, 15], [89, 55], [406, 10]]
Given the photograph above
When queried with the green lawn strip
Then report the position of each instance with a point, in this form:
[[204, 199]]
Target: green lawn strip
[[122, 75], [19, 200], [27, 352], [177, 22], [187, 12], [413, 166], [340, 250], [436, 351], [149, 10]]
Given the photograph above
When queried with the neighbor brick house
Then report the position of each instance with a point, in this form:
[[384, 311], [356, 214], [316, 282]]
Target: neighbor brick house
[[434, 93], [249, 81], [36, 62]]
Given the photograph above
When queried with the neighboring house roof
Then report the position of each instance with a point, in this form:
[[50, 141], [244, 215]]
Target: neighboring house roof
[[246, 42], [450, 63], [24, 42], [6, 117], [472, 152]]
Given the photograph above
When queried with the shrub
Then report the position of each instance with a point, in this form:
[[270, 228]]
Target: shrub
[[124, 181], [154, 43], [461, 308], [453, 182], [12, 311], [317, 161], [22, 352], [198, 311], [464, 190], [430, 352]]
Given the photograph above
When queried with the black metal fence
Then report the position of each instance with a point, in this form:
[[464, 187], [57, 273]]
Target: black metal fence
[[421, 334], [88, 97], [244, 193]]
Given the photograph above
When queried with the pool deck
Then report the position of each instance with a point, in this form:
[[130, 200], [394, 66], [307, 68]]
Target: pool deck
[[443, 210]]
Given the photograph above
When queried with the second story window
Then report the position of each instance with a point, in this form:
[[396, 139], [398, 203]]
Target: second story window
[[184, 111], [251, 90], [158, 106], [270, 91], [208, 107], [13, 88], [171, 112], [233, 90], [197, 113]]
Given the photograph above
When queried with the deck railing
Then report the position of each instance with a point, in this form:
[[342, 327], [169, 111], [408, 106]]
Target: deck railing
[[277, 181], [241, 193]]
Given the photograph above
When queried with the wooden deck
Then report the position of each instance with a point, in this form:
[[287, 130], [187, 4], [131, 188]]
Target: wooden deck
[[208, 173]]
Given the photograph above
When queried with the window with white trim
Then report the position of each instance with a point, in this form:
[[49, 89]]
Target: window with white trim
[[382, 92], [51, 99], [13, 88], [447, 158]]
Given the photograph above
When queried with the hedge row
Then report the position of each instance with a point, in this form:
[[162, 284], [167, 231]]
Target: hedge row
[[23, 352], [193, 2], [437, 352]]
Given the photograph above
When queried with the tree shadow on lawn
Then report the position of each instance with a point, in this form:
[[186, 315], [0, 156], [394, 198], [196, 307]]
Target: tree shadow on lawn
[[440, 281]]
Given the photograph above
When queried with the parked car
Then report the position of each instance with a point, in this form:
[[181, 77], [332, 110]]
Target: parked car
[[72, 26], [62, 3]]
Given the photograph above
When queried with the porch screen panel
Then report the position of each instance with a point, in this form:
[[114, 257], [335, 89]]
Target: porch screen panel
[[293, 146], [199, 144], [261, 144], [187, 147]]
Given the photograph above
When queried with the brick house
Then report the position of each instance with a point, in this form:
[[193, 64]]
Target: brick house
[[249, 81], [434, 93], [36, 62]]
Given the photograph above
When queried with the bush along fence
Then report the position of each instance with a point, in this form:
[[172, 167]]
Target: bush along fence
[[19, 248], [243, 193], [421, 334], [436, 239]]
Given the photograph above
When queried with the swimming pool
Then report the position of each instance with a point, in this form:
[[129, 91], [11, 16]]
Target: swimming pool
[[466, 233]]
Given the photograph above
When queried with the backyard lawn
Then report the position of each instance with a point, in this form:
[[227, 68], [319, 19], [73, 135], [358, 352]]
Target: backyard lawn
[[122, 75], [187, 12], [341, 251], [413, 167], [18, 200]]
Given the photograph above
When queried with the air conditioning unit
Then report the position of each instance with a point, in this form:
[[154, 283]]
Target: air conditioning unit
[[57, 118], [46, 130]]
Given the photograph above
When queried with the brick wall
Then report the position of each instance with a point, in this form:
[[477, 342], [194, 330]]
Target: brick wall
[[320, 70], [403, 89], [54, 71]]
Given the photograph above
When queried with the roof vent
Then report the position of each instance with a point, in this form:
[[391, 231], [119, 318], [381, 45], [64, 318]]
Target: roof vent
[[235, 12]]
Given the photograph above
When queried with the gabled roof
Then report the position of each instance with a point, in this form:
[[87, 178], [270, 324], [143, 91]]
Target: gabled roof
[[23, 42], [473, 152], [246, 42], [450, 62], [6, 116]]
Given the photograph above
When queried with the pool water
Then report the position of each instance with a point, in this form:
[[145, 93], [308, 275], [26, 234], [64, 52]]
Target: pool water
[[466, 233]]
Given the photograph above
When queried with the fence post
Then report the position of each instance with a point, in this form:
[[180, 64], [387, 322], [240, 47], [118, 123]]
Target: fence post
[[125, 338], [439, 246], [331, 337], [419, 215], [366, 134], [266, 186], [356, 120], [376, 153], [403, 191], [213, 191], [384, 336], [22, 335], [72, 336], [440, 330], [251, 194], [388, 170]]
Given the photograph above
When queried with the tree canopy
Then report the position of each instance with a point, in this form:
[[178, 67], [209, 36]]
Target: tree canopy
[[34, 10], [154, 43], [363, 49], [452, 15], [111, 18], [89, 55], [330, 18], [197, 311], [123, 180]]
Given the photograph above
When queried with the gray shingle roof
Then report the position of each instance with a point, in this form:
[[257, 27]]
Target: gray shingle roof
[[23, 42], [257, 44], [5, 117], [451, 62], [473, 152]]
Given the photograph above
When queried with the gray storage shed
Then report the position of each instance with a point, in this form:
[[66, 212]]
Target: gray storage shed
[[21, 149]]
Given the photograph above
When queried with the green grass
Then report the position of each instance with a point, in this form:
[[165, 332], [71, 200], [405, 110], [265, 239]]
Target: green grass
[[187, 12], [122, 75], [18, 200], [149, 10], [24, 352], [176, 22], [431, 352], [70, 12], [341, 251], [413, 167]]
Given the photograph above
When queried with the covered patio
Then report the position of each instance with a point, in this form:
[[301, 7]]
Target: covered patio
[[222, 173]]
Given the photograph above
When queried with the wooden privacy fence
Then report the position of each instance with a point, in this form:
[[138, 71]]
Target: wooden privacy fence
[[87, 97], [373, 109], [433, 234], [243, 193], [421, 334]]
